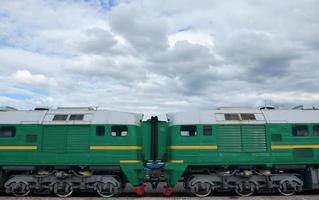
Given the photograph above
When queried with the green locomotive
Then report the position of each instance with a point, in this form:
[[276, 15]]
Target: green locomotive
[[84, 149], [69, 149], [244, 150]]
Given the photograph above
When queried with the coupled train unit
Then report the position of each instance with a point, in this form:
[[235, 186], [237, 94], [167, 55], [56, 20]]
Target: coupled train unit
[[242, 150]]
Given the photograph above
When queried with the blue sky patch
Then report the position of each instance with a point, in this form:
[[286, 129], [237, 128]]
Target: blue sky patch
[[16, 96], [36, 90]]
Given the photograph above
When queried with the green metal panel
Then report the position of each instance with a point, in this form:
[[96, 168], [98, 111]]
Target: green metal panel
[[31, 138], [162, 140], [54, 139], [162, 131], [303, 154], [229, 138], [78, 139], [146, 139], [253, 138]]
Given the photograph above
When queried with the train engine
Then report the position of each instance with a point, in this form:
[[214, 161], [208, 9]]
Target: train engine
[[243, 150], [69, 149]]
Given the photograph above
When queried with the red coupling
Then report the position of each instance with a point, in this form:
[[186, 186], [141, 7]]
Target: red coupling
[[168, 191], [140, 190]]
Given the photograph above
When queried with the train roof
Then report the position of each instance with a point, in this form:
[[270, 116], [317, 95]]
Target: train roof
[[218, 116], [68, 115]]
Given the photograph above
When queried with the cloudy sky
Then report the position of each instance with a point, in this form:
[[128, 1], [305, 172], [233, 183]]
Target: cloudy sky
[[158, 56]]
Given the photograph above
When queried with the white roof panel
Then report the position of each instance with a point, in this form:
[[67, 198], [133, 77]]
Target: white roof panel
[[90, 117], [262, 116], [291, 116], [213, 117], [22, 117]]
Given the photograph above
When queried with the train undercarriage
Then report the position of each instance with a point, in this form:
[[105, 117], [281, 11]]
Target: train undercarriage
[[199, 181], [62, 181], [245, 182]]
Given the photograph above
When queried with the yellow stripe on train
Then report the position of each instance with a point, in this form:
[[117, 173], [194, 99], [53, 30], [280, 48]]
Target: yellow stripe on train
[[130, 161], [176, 161], [18, 147], [191, 147], [304, 146], [116, 148]]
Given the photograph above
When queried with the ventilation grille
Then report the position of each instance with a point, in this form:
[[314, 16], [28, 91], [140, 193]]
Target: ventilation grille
[[242, 138], [254, 138], [229, 138], [54, 139]]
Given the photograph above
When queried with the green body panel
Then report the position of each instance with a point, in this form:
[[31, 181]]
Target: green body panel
[[70, 145], [239, 144], [173, 173], [146, 139], [134, 173], [162, 131], [162, 153]]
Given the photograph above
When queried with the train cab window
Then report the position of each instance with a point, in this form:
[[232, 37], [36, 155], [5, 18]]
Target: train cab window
[[119, 130], [188, 130], [100, 131], [76, 117], [231, 116], [7, 131], [316, 130], [247, 116], [207, 130], [300, 130], [60, 117]]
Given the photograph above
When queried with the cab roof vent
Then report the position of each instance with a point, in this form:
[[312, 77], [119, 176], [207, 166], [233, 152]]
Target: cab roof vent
[[41, 108], [267, 107]]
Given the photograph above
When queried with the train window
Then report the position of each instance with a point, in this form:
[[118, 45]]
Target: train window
[[60, 117], [100, 131], [7, 131], [76, 117], [188, 130], [316, 130], [300, 130], [247, 116], [119, 130], [231, 116], [207, 130]]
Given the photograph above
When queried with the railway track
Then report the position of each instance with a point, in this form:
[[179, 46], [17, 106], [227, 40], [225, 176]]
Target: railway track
[[177, 197], [179, 194]]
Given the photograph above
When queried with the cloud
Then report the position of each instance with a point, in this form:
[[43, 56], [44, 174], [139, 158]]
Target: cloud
[[146, 33], [158, 56], [25, 77], [96, 41]]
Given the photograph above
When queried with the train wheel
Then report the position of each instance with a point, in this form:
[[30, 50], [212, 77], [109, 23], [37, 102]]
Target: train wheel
[[62, 189], [105, 190], [286, 189], [245, 189], [202, 189], [21, 189]]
